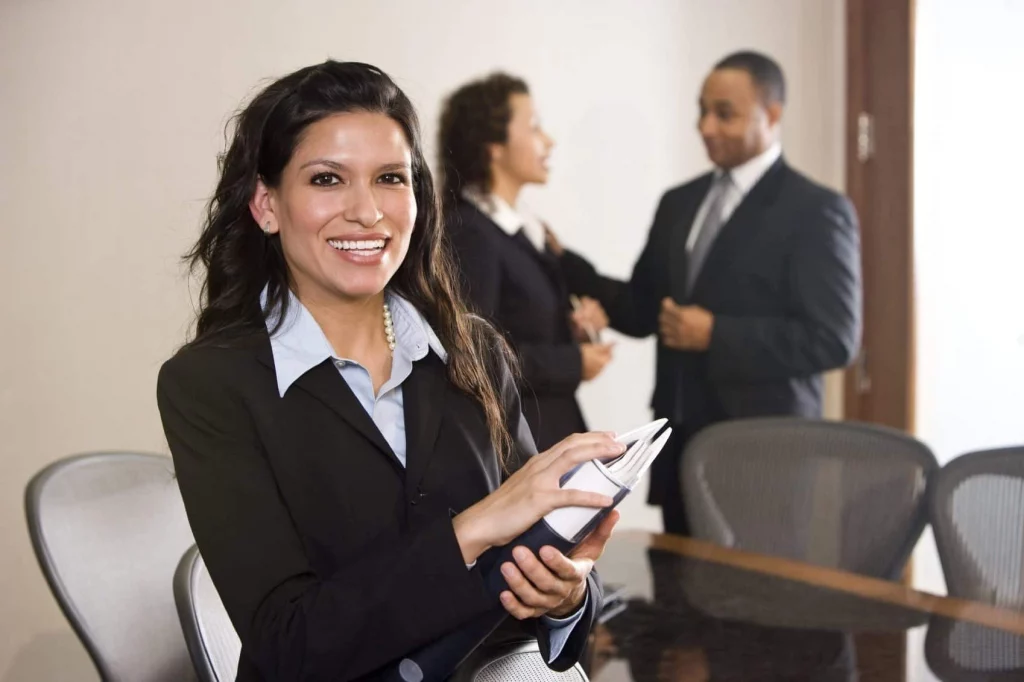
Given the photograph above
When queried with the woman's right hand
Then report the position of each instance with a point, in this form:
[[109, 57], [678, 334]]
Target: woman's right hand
[[552, 242], [588, 318], [531, 493]]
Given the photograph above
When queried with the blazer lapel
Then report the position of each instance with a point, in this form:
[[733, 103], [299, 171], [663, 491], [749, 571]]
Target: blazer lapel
[[680, 235], [424, 395], [554, 270], [734, 233], [547, 261], [325, 384]]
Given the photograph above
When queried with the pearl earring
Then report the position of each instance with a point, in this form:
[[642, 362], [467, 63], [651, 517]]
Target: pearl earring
[[266, 228]]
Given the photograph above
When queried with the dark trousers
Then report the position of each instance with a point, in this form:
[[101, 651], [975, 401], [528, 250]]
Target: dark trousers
[[673, 516], [673, 509]]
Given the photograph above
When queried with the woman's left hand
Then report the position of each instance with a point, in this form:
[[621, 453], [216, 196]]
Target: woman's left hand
[[553, 584]]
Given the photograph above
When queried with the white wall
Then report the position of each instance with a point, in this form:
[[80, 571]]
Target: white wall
[[969, 238], [111, 115]]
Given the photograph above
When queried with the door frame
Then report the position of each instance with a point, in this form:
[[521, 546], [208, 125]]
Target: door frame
[[879, 387]]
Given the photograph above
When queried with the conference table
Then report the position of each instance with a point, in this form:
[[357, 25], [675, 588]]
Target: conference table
[[689, 610]]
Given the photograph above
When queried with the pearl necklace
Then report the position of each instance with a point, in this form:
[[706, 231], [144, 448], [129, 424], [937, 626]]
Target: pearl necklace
[[389, 327]]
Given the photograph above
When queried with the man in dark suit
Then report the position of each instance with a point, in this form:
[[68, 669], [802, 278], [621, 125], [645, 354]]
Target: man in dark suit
[[750, 277]]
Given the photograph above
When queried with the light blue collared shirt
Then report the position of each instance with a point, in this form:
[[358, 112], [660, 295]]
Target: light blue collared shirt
[[299, 345]]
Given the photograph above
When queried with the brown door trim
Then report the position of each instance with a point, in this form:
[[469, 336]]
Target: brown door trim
[[879, 388], [879, 180]]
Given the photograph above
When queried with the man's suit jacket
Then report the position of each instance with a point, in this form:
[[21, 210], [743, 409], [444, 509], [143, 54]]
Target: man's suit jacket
[[522, 292], [332, 559], [783, 282]]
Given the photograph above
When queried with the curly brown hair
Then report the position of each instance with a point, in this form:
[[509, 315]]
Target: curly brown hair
[[474, 116]]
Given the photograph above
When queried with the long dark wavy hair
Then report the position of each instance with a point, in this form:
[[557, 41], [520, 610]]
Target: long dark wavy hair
[[473, 117], [235, 260]]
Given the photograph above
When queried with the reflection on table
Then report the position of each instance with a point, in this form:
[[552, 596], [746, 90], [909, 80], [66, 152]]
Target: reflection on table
[[694, 611]]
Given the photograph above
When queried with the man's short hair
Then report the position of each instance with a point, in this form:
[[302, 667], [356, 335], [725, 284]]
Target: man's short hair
[[765, 72]]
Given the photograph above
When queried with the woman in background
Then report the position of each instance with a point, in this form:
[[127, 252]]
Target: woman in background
[[491, 145], [347, 438]]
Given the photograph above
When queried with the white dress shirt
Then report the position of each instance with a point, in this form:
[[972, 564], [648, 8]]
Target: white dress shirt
[[742, 180], [508, 218]]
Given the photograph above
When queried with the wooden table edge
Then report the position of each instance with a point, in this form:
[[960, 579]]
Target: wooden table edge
[[875, 589]]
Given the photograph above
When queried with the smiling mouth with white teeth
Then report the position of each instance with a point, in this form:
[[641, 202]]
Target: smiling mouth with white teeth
[[361, 247]]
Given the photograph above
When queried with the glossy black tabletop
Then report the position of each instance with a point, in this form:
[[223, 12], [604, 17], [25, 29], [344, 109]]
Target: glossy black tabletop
[[688, 610]]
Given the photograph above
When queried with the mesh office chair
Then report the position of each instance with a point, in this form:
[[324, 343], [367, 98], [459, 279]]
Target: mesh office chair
[[215, 646], [515, 660], [107, 530], [210, 636], [841, 495], [977, 513], [837, 494]]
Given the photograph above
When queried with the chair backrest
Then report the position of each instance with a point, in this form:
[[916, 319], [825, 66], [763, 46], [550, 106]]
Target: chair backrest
[[215, 647], [516, 660], [211, 638], [977, 514], [838, 494], [108, 529]]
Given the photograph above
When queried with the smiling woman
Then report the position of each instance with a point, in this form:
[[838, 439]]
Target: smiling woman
[[344, 207], [347, 438]]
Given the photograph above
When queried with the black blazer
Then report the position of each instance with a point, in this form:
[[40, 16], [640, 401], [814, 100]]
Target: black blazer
[[783, 281], [522, 292], [331, 558]]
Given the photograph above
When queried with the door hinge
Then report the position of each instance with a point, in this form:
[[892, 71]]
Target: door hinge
[[865, 136]]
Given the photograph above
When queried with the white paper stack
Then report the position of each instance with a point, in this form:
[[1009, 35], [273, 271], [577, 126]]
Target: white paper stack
[[615, 478]]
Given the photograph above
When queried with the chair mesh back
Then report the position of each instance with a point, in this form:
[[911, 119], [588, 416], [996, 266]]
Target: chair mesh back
[[519, 661], [843, 495], [108, 530], [977, 513], [211, 638], [525, 667]]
